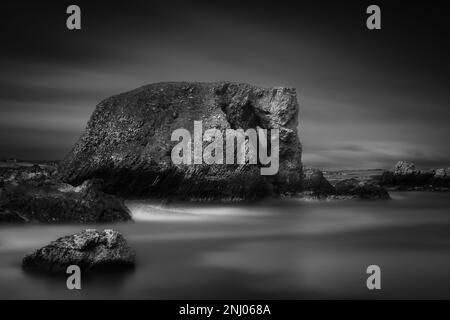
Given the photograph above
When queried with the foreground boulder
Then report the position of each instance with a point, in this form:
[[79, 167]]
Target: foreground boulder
[[360, 189], [53, 202], [127, 142], [90, 250], [315, 183]]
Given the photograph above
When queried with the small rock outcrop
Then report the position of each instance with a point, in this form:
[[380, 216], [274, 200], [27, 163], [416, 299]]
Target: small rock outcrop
[[316, 183], [127, 142], [405, 176], [90, 250], [24, 172], [360, 189], [404, 168], [442, 173]]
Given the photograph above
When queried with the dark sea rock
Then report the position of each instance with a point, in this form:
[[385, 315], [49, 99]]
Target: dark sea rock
[[316, 183], [127, 142], [31, 192], [90, 250], [360, 189], [405, 176], [412, 181], [53, 202]]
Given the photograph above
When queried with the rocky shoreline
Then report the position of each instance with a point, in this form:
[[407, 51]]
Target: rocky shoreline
[[317, 186], [406, 177], [33, 193], [402, 177]]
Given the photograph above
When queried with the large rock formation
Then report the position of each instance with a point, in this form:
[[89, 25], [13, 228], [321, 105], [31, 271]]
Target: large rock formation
[[127, 142], [90, 250]]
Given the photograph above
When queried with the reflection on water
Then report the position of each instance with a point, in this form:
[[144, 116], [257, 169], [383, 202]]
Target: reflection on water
[[277, 249]]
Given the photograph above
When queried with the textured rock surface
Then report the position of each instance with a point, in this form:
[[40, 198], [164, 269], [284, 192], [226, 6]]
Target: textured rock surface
[[90, 250], [360, 189], [315, 182], [404, 167], [127, 142], [17, 173]]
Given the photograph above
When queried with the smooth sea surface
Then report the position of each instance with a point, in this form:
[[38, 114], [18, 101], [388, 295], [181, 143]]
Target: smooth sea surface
[[276, 249]]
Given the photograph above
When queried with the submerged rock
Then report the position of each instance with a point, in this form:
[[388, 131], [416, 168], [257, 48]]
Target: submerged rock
[[90, 250], [127, 142], [360, 189], [315, 183], [54, 202]]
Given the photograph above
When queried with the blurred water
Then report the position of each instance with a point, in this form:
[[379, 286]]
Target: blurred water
[[276, 249]]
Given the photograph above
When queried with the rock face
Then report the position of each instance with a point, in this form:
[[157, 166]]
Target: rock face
[[360, 189], [90, 250], [315, 182], [53, 202], [127, 142]]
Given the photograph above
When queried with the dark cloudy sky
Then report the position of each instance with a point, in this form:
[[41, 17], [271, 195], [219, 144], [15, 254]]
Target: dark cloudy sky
[[367, 98]]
